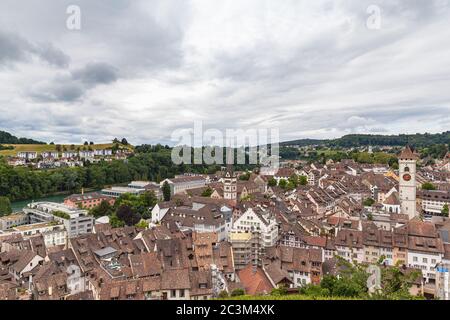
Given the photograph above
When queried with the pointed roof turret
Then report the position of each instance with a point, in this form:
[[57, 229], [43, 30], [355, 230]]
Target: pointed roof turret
[[408, 154]]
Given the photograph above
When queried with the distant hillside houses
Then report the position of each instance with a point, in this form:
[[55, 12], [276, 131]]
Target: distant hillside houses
[[71, 158]]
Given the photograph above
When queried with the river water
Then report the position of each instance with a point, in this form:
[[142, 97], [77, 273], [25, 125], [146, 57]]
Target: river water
[[19, 205]]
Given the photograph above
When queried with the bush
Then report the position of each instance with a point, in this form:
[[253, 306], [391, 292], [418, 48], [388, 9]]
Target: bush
[[61, 214], [237, 292], [281, 291]]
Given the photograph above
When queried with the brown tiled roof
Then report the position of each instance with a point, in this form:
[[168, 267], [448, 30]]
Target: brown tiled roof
[[145, 264], [254, 280], [276, 273], [392, 199], [408, 154], [175, 279]]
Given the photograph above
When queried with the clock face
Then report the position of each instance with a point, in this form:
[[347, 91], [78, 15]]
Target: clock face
[[406, 177]]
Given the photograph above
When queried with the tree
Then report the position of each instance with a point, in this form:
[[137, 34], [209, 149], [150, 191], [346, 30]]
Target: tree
[[293, 181], [58, 147], [237, 292], [445, 210], [428, 186], [149, 199], [368, 202], [142, 224], [91, 143], [167, 192], [303, 180], [86, 143], [272, 182], [207, 193], [279, 291], [351, 281], [126, 214], [124, 142], [314, 291], [245, 176], [115, 222], [5, 206], [283, 184], [103, 209]]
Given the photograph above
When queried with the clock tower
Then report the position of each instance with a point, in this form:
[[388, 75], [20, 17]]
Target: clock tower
[[407, 174], [230, 184]]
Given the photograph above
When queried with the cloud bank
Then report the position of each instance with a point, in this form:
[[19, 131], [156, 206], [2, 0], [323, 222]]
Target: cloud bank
[[142, 69]]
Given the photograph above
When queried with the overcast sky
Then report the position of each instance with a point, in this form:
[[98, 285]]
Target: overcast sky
[[141, 68]]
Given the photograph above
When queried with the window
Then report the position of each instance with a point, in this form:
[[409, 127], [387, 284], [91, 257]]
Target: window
[[182, 293], [415, 259], [173, 293]]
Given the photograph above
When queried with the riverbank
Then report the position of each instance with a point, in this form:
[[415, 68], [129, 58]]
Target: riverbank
[[17, 206]]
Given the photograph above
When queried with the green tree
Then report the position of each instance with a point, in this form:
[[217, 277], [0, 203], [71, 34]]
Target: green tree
[[5, 206], [283, 184], [368, 202], [126, 214], [428, 186], [223, 294], [142, 224], [272, 182], [303, 180], [149, 199], [103, 209], [314, 291], [167, 193], [445, 210], [293, 181], [115, 222], [280, 291], [207, 193], [245, 176], [237, 292]]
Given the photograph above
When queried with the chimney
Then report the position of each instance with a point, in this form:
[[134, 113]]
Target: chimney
[[82, 191], [50, 291]]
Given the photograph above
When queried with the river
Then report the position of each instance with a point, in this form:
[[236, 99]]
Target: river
[[17, 206]]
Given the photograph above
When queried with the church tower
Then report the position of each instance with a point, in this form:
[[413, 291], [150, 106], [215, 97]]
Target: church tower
[[230, 184], [230, 179], [407, 174]]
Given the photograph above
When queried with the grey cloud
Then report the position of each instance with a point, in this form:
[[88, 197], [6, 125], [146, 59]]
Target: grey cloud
[[14, 48], [323, 75], [73, 86], [96, 73], [57, 92], [54, 56]]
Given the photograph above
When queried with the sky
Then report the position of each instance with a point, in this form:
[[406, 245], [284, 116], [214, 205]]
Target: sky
[[142, 69]]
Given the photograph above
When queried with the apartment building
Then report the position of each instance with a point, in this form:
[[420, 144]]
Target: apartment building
[[75, 221]]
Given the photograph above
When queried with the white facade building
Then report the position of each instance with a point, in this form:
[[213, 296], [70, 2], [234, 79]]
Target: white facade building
[[407, 185], [257, 221]]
